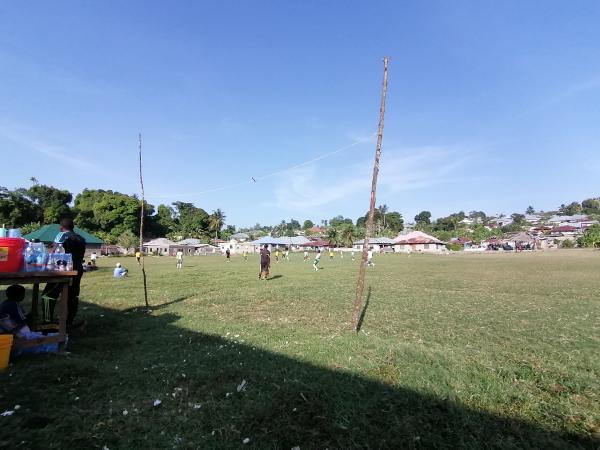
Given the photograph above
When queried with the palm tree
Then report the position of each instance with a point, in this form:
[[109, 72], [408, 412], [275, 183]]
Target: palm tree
[[333, 236], [216, 222], [347, 235], [34, 180], [383, 209]]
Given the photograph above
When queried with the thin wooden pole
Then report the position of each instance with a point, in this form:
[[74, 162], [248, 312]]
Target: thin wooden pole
[[142, 224], [360, 284]]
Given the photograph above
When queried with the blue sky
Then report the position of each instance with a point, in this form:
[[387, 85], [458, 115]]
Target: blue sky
[[492, 105]]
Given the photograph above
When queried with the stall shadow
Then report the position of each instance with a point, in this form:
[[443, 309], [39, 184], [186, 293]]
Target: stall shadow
[[140, 381]]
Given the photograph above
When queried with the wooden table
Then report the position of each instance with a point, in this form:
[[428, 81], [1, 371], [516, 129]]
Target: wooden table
[[35, 278]]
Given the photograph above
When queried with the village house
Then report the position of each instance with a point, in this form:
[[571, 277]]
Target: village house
[[192, 246], [499, 222], [159, 246], [376, 243], [559, 220], [236, 247], [417, 241], [240, 237], [291, 242], [532, 219], [564, 231]]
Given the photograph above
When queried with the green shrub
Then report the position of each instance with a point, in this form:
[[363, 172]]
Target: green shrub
[[567, 244], [454, 247]]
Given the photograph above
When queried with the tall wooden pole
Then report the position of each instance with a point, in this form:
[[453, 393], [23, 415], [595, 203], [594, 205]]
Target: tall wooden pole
[[142, 224], [360, 284]]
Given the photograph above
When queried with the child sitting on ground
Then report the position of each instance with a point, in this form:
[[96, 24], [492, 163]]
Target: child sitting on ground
[[119, 271], [11, 307]]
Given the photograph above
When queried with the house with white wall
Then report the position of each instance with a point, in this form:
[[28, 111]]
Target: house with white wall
[[417, 241]]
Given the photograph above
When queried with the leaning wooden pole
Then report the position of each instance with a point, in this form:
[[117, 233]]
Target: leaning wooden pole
[[141, 250], [360, 284]]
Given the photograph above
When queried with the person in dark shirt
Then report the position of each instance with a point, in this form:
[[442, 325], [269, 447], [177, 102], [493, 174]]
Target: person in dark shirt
[[74, 244], [265, 262], [12, 308]]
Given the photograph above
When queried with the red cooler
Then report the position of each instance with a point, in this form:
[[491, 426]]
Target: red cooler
[[11, 254]]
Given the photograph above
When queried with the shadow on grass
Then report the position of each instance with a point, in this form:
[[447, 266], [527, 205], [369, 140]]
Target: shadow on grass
[[102, 395], [275, 277], [361, 319], [141, 309]]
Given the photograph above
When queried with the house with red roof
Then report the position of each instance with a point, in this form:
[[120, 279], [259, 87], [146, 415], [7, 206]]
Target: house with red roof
[[417, 241], [564, 230]]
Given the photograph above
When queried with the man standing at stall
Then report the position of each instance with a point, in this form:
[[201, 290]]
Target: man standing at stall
[[74, 244]]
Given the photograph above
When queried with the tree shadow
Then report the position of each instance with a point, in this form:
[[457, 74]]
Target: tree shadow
[[361, 319], [217, 391], [155, 307]]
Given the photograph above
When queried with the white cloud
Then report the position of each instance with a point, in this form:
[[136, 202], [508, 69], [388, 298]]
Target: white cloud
[[304, 189], [564, 95], [308, 188], [419, 168], [26, 138]]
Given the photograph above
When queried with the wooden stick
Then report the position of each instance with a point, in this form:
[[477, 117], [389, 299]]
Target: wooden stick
[[360, 284], [142, 224]]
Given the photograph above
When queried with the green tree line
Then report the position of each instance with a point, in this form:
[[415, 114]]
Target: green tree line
[[110, 215]]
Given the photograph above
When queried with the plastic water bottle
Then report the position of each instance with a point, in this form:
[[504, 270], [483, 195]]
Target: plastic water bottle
[[29, 258], [40, 255], [59, 249]]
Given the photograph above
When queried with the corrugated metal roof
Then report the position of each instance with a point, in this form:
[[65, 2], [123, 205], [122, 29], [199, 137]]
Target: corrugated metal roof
[[284, 240]]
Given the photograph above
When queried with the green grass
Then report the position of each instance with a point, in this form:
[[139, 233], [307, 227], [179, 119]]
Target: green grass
[[459, 351]]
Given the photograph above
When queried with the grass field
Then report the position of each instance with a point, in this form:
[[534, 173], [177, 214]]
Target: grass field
[[459, 351]]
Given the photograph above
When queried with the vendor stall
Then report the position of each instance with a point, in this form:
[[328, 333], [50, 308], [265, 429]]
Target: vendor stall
[[35, 278]]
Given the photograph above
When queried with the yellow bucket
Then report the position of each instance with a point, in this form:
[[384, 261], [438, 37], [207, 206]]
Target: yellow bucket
[[6, 341]]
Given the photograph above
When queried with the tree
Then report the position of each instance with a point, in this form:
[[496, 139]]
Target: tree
[[216, 222], [591, 205], [361, 222], [16, 209], [517, 218], [339, 220], [530, 210], [163, 222], [478, 216], [333, 236], [481, 233], [308, 224], [110, 212], [128, 240], [294, 224], [383, 209], [570, 209], [512, 227], [424, 217], [591, 237], [192, 221], [346, 235], [53, 202], [228, 231], [377, 220], [394, 221], [449, 223]]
